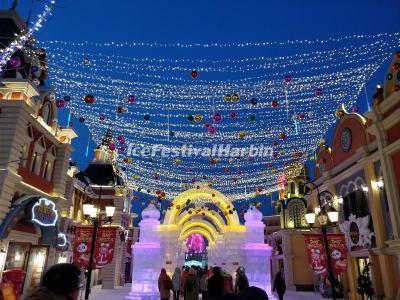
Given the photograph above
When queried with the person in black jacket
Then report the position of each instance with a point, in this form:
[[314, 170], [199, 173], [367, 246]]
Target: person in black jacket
[[279, 285], [215, 285]]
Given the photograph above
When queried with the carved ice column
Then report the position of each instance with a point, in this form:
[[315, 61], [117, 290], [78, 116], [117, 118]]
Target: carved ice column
[[147, 257], [256, 253]]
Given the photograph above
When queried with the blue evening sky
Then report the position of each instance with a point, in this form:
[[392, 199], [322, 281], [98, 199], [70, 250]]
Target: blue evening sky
[[214, 21]]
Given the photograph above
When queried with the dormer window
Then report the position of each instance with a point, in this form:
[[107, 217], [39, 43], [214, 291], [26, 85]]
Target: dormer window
[[46, 112]]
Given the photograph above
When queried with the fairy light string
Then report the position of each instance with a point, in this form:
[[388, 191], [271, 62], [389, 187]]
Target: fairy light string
[[164, 91]]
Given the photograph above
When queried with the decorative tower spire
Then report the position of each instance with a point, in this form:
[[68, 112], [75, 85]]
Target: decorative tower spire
[[108, 138]]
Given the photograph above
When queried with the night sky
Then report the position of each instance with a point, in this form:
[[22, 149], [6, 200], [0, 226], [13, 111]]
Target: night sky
[[213, 21]]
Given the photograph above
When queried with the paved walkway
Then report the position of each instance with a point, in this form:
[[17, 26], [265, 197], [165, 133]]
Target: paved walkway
[[121, 292]]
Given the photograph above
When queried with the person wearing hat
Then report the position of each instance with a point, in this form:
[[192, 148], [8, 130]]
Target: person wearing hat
[[60, 282], [191, 290], [241, 282]]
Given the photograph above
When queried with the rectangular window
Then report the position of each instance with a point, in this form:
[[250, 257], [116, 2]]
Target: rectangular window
[[34, 161], [46, 169]]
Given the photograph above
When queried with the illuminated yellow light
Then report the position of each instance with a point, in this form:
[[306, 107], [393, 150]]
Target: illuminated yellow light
[[217, 219], [203, 224], [203, 193]]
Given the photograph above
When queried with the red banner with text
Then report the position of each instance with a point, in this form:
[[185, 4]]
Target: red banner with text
[[315, 252], [82, 245], [105, 244], [338, 252]]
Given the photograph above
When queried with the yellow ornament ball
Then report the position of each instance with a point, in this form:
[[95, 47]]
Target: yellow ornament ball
[[136, 177], [241, 134], [178, 161], [198, 117]]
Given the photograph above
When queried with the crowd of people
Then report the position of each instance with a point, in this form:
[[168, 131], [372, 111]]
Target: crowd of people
[[210, 283]]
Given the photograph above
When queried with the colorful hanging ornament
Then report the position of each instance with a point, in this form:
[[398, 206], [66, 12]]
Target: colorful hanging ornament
[[102, 117], [301, 115], [253, 101], [355, 109], [211, 130], [287, 78], [311, 114], [190, 118], [232, 115], [282, 136], [318, 92], [217, 117], [252, 118], [274, 103], [111, 147], [86, 61], [228, 98], [67, 98], [235, 97], [275, 143], [60, 103], [198, 117], [89, 99], [14, 62], [131, 98], [177, 162], [194, 74], [171, 133], [146, 117], [122, 149], [81, 119], [241, 134]]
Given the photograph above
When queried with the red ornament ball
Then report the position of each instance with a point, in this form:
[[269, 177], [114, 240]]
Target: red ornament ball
[[89, 99], [232, 115], [355, 109], [131, 98], [211, 130], [301, 115], [102, 117], [287, 78], [274, 103], [275, 143], [198, 187], [111, 147], [217, 117], [126, 160], [122, 149], [206, 124], [194, 74], [275, 154], [318, 92], [60, 103], [282, 135]]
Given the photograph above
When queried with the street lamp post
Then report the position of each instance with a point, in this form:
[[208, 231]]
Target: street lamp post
[[324, 216], [92, 213]]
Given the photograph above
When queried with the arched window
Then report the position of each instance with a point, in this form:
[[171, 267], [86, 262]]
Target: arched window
[[46, 112]]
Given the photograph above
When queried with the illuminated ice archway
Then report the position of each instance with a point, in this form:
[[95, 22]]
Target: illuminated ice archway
[[230, 244], [201, 194]]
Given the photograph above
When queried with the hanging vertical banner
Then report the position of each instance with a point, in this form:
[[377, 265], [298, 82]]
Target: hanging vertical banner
[[82, 245], [316, 253], [105, 244], [338, 252]]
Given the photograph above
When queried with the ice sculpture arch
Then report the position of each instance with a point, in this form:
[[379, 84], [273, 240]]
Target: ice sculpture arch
[[230, 244]]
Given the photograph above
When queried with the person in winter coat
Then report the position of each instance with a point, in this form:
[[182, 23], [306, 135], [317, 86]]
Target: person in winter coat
[[215, 286], [191, 291], [241, 282], [60, 282], [164, 285], [279, 285], [183, 280], [176, 283], [228, 283], [203, 284]]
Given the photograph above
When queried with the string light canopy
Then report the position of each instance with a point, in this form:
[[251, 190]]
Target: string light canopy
[[227, 96], [24, 38]]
